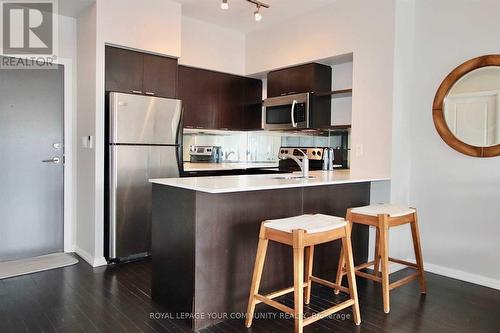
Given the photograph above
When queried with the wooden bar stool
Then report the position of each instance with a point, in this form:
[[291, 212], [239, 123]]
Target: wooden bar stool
[[383, 217], [303, 233]]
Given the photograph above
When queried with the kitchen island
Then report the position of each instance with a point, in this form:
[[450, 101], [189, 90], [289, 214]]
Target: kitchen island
[[205, 233]]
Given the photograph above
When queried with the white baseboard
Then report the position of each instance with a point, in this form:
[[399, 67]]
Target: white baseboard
[[69, 248], [451, 273], [94, 262], [464, 276]]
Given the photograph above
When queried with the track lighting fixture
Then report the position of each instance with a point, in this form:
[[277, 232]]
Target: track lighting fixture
[[256, 14]]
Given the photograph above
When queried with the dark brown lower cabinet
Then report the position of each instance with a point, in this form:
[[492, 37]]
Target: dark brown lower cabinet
[[215, 100]]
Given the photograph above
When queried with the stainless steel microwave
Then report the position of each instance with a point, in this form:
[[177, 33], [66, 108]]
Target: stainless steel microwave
[[286, 112]]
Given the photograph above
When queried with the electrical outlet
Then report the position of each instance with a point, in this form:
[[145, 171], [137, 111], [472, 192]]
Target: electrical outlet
[[359, 150]]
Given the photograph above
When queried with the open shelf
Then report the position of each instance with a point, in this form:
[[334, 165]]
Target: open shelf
[[337, 93], [339, 127]]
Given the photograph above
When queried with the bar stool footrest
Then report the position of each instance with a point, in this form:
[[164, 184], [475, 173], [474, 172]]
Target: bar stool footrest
[[360, 267], [279, 293], [369, 276], [404, 280], [274, 304], [327, 312], [330, 284], [403, 262]]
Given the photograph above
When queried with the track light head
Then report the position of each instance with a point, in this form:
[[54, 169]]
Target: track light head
[[224, 5], [257, 15]]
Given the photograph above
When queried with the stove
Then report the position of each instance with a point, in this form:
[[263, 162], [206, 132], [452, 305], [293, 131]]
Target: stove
[[205, 154], [316, 157]]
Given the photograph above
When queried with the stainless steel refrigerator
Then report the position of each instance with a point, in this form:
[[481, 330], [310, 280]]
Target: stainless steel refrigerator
[[144, 142]]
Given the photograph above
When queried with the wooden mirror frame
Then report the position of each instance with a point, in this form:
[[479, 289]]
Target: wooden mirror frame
[[438, 107]]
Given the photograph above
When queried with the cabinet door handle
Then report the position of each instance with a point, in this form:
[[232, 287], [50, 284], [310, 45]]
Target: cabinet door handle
[[137, 91], [150, 93]]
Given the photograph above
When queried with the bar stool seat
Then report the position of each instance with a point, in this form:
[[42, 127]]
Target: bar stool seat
[[303, 233], [309, 223], [381, 209]]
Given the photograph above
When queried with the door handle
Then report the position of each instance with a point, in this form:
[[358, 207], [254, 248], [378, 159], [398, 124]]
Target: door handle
[[55, 160]]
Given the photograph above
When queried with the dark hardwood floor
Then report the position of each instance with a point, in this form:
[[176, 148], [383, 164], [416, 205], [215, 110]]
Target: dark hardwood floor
[[117, 299]]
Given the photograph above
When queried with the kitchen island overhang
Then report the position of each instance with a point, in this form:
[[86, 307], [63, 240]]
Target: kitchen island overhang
[[205, 234]]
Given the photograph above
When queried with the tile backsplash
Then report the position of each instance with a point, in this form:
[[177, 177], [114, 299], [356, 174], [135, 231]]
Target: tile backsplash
[[256, 146]]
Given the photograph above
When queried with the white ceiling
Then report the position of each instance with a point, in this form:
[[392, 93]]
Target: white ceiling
[[240, 14], [73, 8]]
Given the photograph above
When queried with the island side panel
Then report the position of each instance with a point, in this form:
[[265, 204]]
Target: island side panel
[[172, 253], [227, 232], [335, 200]]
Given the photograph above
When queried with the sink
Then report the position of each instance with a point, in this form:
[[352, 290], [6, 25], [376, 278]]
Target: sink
[[292, 177]]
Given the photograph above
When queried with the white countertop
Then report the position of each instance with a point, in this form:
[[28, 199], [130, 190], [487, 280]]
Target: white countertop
[[188, 166], [228, 184]]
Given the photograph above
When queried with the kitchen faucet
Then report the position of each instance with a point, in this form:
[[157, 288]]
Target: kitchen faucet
[[227, 154], [304, 165]]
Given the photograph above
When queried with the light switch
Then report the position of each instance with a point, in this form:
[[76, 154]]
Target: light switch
[[88, 142]]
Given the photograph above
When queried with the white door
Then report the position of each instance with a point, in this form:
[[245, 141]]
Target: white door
[[473, 118]]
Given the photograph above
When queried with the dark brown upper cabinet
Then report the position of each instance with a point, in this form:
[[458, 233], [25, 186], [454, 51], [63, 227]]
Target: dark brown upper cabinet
[[140, 73], [197, 90], [311, 78], [124, 70], [215, 100]]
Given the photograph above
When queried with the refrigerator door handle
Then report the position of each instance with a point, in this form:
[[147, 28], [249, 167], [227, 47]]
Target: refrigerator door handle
[[180, 130], [113, 183], [179, 142]]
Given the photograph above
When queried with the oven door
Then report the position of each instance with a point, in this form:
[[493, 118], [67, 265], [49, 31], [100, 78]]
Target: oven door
[[286, 112]]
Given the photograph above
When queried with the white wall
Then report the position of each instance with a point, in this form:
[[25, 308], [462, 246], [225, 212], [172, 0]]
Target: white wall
[[67, 37], [86, 111], [400, 245], [153, 26], [365, 28], [206, 45], [458, 196], [67, 54]]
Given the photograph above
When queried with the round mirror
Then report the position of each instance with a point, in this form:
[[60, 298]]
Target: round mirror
[[467, 107]]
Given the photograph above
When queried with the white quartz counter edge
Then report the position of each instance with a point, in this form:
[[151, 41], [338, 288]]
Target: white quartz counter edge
[[229, 184]]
